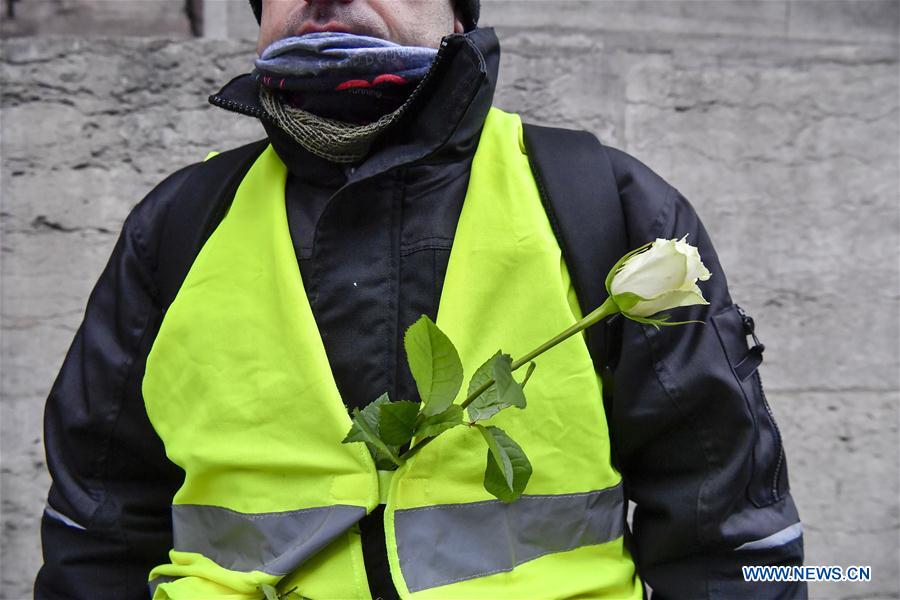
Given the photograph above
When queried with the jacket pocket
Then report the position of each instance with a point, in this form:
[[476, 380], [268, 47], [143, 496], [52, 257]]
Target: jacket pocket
[[769, 478]]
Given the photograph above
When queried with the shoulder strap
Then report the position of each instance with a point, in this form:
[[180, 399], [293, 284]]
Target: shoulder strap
[[200, 204], [578, 188]]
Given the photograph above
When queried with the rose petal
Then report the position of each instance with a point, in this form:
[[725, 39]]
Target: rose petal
[[648, 274]]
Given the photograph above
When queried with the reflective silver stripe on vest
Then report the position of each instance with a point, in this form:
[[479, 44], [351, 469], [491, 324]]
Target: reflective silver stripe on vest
[[275, 543], [446, 543]]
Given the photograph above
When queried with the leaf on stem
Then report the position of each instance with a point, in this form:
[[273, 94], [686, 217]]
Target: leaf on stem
[[627, 300], [503, 393], [660, 320], [441, 422], [270, 592], [366, 427], [398, 421], [508, 469], [434, 364]]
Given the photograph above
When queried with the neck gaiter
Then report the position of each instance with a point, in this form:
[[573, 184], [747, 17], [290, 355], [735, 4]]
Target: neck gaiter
[[334, 92]]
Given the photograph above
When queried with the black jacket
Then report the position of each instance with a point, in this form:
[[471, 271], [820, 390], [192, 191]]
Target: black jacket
[[698, 448]]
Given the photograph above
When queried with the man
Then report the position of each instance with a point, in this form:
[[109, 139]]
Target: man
[[373, 174]]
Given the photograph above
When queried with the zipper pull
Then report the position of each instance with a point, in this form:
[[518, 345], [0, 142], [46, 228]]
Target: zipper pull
[[747, 319], [749, 326], [754, 357]]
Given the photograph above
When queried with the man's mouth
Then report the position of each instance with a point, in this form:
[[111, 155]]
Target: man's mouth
[[310, 27]]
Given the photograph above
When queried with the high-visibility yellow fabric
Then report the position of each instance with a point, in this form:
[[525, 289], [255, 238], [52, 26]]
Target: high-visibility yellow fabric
[[239, 388], [506, 287]]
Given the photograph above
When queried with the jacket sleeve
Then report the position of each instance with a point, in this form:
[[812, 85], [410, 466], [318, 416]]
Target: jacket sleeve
[[107, 521], [693, 435]]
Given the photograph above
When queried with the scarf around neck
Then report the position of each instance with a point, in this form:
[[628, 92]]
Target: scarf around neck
[[334, 92]]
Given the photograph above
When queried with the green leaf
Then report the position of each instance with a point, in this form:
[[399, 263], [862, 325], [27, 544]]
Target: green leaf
[[272, 594], [398, 421], [370, 415], [365, 428], [496, 455], [485, 405], [503, 393], [509, 390], [659, 320], [434, 364], [508, 469], [627, 300], [441, 422]]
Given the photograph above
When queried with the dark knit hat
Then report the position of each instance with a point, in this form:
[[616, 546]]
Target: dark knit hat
[[469, 10]]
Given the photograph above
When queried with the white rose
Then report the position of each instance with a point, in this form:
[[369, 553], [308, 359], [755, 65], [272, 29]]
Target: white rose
[[659, 278]]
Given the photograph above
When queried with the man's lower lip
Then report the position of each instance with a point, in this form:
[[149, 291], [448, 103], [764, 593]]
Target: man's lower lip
[[325, 27]]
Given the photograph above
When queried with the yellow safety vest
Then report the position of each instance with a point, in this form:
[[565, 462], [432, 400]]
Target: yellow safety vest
[[238, 387]]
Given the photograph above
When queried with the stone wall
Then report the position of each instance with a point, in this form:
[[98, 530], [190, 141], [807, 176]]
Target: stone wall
[[99, 17], [778, 120]]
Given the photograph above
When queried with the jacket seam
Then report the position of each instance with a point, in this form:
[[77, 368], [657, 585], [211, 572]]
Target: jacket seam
[[659, 223], [426, 238], [423, 160], [101, 465], [108, 445], [148, 282], [132, 233], [667, 383], [700, 433], [405, 249], [146, 330], [396, 218], [415, 249]]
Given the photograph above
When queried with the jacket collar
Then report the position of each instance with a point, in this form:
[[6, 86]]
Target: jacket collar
[[442, 123]]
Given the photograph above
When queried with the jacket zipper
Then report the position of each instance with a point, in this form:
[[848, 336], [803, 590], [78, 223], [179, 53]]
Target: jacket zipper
[[231, 105], [749, 328], [428, 75]]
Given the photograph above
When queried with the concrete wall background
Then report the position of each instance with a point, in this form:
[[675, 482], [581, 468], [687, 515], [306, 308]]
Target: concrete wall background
[[98, 17], [777, 119]]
